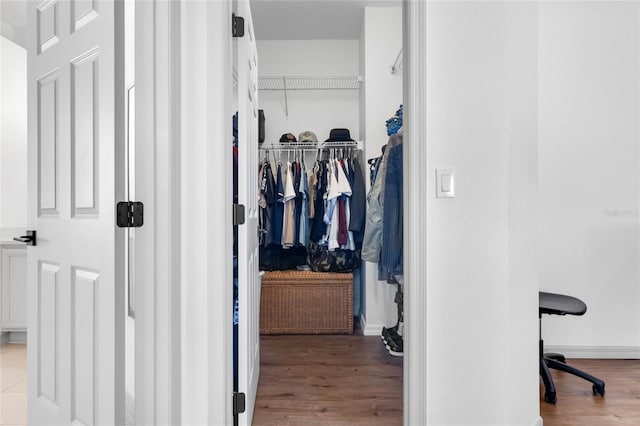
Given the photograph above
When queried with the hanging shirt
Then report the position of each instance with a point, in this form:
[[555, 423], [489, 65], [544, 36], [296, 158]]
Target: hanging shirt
[[358, 202], [311, 191], [267, 202], [372, 242], [278, 208], [391, 255], [296, 170], [288, 223], [303, 237], [318, 225]]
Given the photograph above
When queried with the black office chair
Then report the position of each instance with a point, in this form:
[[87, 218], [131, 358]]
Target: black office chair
[[559, 304]]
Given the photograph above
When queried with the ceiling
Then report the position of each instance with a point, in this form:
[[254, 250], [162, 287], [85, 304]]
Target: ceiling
[[13, 20], [272, 19], [311, 19]]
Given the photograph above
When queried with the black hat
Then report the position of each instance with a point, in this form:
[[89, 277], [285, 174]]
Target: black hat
[[288, 137], [339, 135]]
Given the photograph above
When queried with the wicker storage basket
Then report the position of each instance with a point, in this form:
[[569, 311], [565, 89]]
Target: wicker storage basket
[[305, 302]]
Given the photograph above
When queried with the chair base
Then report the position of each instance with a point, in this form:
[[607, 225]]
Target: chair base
[[557, 362]]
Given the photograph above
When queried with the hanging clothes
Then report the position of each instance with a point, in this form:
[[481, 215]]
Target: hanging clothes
[[288, 222], [303, 237], [267, 201], [319, 226], [391, 254], [358, 203], [372, 242], [278, 208]]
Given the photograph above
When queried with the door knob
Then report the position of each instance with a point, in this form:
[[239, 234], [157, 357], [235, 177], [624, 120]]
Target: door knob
[[30, 238]]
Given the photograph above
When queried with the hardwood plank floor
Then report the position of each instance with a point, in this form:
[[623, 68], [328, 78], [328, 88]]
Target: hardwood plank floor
[[577, 406], [328, 380]]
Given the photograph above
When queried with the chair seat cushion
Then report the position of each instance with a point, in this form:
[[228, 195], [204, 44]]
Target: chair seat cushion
[[560, 304]]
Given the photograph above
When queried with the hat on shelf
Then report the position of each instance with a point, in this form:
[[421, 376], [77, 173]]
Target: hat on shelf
[[288, 137], [339, 135], [307, 136]]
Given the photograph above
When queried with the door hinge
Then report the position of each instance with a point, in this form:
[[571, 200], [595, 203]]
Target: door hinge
[[237, 25], [239, 403], [238, 214], [129, 214]]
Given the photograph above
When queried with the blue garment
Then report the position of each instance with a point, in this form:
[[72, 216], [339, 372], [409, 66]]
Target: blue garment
[[391, 255], [278, 208], [358, 205], [318, 226], [303, 237]]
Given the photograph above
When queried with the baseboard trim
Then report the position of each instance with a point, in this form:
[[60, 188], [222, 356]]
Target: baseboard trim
[[13, 337], [596, 352], [538, 422], [372, 329]]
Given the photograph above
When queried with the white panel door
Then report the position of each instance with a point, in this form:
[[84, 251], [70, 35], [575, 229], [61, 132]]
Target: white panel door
[[75, 279], [248, 280]]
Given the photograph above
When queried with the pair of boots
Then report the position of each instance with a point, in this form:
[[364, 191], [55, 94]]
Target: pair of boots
[[393, 340]]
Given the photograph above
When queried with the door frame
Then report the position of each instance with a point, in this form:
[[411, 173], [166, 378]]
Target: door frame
[[183, 312], [184, 119], [414, 41], [158, 243]]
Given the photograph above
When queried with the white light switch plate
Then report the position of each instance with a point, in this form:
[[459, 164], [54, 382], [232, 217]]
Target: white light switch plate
[[445, 183]]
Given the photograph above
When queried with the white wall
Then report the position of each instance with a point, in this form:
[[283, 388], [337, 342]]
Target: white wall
[[482, 361], [589, 166], [315, 110], [382, 95], [13, 135]]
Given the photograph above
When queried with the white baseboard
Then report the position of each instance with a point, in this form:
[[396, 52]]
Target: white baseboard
[[596, 352], [371, 329], [13, 337], [538, 422]]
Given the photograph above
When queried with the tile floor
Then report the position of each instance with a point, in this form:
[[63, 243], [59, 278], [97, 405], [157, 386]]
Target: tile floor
[[13, 384]]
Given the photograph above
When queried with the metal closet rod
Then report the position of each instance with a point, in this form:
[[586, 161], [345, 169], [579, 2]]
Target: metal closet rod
[[309, 146]]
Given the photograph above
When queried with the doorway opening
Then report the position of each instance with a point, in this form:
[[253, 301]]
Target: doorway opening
[[316, 79]]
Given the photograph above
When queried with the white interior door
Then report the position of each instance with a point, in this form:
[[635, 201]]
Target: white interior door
[[248, 280], [75, 272]]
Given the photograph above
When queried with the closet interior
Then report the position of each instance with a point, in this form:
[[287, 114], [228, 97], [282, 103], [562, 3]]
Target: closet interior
[[330, 168]]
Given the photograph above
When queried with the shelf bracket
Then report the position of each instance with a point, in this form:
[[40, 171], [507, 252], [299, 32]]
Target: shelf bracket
[[286, 103]]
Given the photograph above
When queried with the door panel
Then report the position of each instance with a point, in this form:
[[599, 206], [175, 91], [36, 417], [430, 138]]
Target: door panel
[[248, 279], [75, 286]]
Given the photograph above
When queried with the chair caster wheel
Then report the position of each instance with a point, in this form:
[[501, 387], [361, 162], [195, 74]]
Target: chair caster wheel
[[597, 390], [550, 397]]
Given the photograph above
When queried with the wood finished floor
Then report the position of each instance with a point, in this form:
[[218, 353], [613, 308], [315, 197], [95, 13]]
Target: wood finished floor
[[328, 380], [577, 406]]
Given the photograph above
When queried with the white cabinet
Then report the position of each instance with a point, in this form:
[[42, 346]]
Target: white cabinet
[[13, 283]]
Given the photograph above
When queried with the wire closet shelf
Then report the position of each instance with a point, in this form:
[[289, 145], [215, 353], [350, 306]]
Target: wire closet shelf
[[309, 82]]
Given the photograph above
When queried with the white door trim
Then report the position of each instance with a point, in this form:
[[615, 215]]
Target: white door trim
[[204, 259], [207, 274], [415, 208], [158, 242]]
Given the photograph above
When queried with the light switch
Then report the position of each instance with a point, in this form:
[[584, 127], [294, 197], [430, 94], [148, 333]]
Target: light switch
[[445, 183]]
